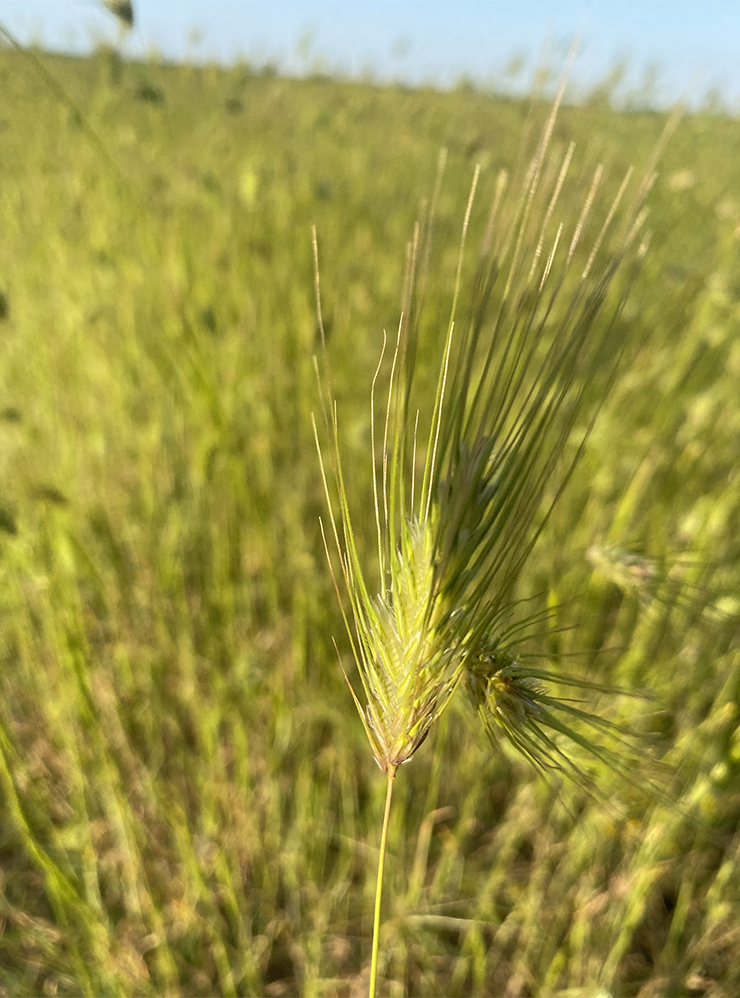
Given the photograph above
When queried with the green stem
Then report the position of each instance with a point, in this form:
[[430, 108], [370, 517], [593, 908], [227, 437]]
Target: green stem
[[379, 887]]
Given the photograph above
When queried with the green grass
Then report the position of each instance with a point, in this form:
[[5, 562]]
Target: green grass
[[189, 804]]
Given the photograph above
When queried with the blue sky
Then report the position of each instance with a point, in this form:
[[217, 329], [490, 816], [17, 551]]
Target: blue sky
[[688, 43]]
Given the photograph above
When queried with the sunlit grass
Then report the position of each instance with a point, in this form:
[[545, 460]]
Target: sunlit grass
[[190, 806]]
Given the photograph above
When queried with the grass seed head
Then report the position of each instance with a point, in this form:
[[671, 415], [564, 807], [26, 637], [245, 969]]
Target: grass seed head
[[520, 382], [407, 669], [123, 10], [514, 700]]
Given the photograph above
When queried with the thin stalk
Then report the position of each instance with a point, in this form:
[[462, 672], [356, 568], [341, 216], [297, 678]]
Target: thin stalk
[[379, 886]]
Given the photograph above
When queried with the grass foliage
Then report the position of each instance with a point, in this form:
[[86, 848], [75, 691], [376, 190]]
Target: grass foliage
[[190, 807]]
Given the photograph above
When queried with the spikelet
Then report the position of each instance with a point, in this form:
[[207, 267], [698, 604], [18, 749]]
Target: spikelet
[[520, 381], [514, 699]]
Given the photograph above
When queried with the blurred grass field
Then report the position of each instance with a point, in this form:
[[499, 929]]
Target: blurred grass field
[[189, 806]]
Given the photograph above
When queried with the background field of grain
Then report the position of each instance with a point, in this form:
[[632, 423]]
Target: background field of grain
[[188, 802]]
